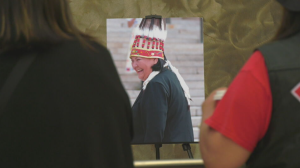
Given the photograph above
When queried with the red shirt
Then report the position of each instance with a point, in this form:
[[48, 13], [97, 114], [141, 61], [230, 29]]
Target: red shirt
[[244, 113]]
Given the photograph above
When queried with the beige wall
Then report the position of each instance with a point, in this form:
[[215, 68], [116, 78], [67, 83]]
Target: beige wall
[[232, 30]]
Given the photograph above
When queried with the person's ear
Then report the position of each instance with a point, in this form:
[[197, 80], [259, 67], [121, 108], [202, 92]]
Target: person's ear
[[155, 60]]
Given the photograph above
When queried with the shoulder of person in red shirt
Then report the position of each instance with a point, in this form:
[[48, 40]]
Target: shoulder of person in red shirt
[[244, 113]]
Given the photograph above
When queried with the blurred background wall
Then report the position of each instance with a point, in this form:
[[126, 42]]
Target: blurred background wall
[[232, 30]]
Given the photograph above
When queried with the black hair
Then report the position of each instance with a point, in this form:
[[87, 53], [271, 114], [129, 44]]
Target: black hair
[[27, 22], [159, 65], [290, 25]]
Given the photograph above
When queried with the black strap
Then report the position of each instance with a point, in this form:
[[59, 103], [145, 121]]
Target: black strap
[[14, 78]]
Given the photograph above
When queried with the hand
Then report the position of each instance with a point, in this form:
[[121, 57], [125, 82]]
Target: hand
[[209, 105]]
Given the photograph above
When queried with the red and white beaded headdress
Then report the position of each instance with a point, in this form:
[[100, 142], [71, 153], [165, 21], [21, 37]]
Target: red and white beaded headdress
[[149, 38]]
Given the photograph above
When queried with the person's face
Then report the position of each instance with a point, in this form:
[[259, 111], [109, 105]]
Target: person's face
[[142, 66]]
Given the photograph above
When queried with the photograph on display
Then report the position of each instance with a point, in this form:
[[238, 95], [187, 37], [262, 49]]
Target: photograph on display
[[161, 65]]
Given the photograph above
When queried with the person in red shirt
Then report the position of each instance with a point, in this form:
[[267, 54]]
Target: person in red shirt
[[231, 128]]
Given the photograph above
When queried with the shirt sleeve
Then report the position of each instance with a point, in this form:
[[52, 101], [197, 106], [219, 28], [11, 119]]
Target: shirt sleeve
[[154, 110], [244, 113]]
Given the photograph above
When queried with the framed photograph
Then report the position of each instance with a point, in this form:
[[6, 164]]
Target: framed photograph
[[183, 47]]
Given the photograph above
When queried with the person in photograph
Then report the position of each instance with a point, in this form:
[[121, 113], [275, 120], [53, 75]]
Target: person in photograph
[[161, 111], [69, 109], [257, 120]]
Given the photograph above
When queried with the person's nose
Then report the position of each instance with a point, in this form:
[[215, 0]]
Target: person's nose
[[133, 63]]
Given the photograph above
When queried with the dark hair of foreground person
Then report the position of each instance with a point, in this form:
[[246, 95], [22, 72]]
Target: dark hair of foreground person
[[69, 109], [25, 22]]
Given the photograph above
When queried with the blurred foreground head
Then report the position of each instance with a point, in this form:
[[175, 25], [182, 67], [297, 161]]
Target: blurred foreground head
[[36, 22], [291, 5], [290, 23]]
